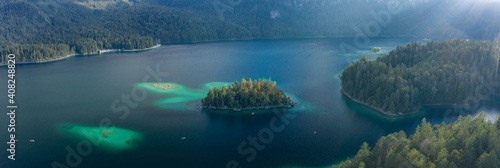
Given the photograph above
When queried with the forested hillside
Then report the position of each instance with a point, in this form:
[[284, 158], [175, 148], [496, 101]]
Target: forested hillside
[[467, 143], [35, 29], [409, 77]]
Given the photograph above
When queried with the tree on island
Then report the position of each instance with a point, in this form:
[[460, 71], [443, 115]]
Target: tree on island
[[376, 49], [247, 94]]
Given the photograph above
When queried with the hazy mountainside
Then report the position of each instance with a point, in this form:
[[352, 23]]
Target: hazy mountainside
[[481, 21], [85, 26]]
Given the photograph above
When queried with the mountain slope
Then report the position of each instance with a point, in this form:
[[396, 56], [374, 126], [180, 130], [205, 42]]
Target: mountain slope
[[85, 26]]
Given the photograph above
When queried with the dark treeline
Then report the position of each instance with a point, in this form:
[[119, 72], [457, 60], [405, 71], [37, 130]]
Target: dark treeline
[[247, 94], [36, 52], [467, 143], [452, 72]]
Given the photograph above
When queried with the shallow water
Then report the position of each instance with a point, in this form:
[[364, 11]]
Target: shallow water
[[86, 90]]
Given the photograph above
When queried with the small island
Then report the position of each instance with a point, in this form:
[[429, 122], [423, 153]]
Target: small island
[[376, 49], [248, 94]]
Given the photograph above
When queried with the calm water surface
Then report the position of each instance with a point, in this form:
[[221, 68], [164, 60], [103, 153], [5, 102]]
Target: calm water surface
[[81, 90]]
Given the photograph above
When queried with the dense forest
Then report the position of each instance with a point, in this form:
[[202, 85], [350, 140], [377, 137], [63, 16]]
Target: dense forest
[[467, 143], [36, 30], [451, 72], [247, 94]]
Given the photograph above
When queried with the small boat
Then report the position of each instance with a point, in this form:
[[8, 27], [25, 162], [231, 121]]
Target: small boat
[[183, 138], [253, 113], [32, 140], [314, 132]]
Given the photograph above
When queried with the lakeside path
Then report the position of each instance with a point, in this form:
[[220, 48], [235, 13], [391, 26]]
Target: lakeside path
[[98, 52]]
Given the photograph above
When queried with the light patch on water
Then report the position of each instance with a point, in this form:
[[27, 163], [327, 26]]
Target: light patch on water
[[113, 138], [275, 14], [300, 104], [179, 94]]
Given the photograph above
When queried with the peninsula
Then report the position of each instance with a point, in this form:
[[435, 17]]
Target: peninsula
[[417, 75]]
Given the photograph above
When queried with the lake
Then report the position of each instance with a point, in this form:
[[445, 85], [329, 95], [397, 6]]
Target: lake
[[58, 100]]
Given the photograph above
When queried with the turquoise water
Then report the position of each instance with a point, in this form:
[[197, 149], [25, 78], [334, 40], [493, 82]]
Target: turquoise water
[[87, 90]]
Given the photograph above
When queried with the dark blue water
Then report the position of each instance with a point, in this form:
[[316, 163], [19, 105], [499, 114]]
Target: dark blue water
[[81, 90]]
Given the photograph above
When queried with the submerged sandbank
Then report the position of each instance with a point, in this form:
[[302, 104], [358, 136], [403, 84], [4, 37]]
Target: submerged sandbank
[[183, 98], [112, 138]]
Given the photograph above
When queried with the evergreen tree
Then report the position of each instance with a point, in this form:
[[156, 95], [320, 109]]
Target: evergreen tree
[[429, 146]]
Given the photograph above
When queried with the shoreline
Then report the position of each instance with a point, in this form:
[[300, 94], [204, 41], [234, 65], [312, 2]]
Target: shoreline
[[241, 109], [284, 38], [144, 49], [380, 111], [208, 41], [132, 50], [50, 60], [76, 54]]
